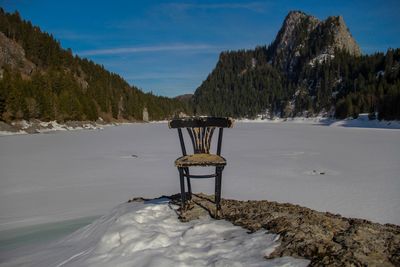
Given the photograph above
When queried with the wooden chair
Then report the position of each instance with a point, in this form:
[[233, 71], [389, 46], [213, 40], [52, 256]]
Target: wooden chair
[[200, 131]]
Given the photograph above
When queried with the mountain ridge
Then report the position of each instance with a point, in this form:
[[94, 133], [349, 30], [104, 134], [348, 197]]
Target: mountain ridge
[[312, 67]]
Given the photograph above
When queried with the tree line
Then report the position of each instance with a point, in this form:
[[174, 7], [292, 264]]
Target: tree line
[[245, 83]]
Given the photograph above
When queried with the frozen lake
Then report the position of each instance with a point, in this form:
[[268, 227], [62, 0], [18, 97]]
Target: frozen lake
[[60, 176]]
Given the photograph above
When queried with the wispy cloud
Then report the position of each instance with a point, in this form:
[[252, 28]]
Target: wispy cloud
[[144, 49], [253, 6], [74, 36], [165, 76]]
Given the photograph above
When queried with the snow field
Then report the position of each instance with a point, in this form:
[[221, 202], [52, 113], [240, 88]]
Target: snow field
[[67, 175]]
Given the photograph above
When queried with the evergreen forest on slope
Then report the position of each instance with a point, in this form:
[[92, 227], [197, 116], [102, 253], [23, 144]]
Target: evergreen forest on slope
[[64, 87]]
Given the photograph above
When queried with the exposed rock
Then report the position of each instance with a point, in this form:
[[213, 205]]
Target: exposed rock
[[145, 115], [289, 42], [7, 127], [13, 55], [302, 34], [121, 108], [342, 36], [324, 238], [37, 126]]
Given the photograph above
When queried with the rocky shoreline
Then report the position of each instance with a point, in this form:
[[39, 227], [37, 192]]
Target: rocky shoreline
[[36, 126], [324, 238]]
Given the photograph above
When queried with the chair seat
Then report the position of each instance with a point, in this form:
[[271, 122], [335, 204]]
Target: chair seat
[[200, 160]]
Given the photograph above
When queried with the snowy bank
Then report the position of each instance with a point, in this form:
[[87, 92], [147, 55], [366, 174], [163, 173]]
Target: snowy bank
[[35, 126], [361, 122], [150, 234]]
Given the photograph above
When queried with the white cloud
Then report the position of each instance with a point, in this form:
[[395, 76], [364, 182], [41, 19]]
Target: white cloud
[[75, 36], [164, 76], [143, 49]]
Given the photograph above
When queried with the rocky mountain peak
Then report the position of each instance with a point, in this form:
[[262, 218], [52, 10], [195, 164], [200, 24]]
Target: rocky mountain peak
[[297, 16], [293, 22], [305, 36], [342, 36]]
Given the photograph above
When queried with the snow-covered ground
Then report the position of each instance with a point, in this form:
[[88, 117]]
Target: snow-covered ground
[[361, 122], [67, 175], [136, 234]]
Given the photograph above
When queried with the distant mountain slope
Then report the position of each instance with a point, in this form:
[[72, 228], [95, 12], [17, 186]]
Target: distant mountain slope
[[312, 66], [41, 80]]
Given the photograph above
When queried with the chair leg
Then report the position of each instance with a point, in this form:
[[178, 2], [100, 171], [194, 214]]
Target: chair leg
[[183, 194], [188, 184], [218, 186]]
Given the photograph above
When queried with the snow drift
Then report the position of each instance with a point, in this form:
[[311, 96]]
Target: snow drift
[[150, 234]]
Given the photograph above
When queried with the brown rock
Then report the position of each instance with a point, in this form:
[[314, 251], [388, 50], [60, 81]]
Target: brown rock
[[13, 55], [324, 238]]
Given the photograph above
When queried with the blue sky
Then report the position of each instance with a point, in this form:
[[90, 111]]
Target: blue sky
[[169, 47]]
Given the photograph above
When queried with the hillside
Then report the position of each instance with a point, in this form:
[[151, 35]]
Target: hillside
[[311, 67], [41, 80]]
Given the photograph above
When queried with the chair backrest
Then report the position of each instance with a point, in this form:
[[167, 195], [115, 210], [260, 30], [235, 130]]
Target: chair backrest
[[200, 130]]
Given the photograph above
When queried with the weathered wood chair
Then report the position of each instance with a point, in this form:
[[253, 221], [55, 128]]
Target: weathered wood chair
[[200, 130]]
